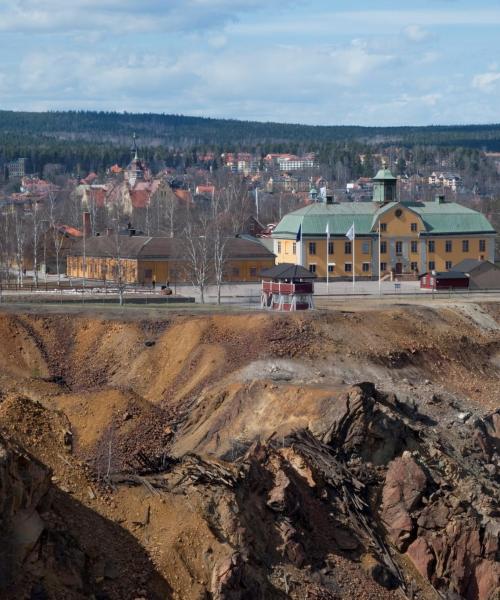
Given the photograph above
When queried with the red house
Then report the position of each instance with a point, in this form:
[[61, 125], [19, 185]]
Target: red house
[[287, 287], [447, 280]]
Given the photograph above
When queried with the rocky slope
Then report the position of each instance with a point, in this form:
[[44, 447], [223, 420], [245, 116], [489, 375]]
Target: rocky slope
[[242, 456]]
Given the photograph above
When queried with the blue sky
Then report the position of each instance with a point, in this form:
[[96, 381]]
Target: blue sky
[[369, 62]]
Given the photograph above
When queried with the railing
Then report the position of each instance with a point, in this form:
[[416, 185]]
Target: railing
[[274, 287]]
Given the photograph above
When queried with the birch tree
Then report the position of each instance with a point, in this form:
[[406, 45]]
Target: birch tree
[[20, 239], [35, 238], [198, 252], [57, 236]]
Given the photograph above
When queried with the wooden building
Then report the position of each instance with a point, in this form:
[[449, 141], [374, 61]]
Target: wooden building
[[145, 260], [287, 287], [482, 274], [452, 280]]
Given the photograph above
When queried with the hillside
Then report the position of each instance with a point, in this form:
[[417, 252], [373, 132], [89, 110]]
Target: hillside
[[325, 456], [178, 131]]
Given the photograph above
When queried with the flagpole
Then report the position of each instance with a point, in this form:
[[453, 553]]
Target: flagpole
[[353, 257], [379, 258], [327, 253]]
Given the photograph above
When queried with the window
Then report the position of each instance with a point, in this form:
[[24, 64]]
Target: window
[[348, 267], [432, 246], [253, 271], [383, 226], [312, 268], [414, 266], [465, 245], [366, 267], [448, 246], [383, 266], [448, 264], [312, 249], [399, 247], [365, 247], [236, 272], [432, 265], [383, 247], [348, 248], [330, 247], [331, 268], [413, 227], [482, 245], [279, 247], [414, 246]]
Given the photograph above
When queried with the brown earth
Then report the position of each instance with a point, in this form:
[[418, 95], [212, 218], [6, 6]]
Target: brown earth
[[241, 456]]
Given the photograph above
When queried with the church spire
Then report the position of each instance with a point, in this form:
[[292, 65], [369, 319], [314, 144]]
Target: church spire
[[134, 147]]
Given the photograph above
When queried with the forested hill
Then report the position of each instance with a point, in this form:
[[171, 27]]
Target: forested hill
[[181, 132]]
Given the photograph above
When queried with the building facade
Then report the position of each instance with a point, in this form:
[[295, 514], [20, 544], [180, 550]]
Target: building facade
[[143, 259], [397, 237]]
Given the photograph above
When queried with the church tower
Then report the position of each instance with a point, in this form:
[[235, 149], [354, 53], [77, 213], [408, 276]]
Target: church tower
[[135, 171], [384, 186]]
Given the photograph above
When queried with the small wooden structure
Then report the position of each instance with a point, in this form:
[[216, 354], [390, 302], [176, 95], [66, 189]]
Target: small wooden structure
[[287, 287], [447, 280]]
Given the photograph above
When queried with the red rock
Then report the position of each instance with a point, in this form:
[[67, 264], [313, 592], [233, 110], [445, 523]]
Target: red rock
[[405, 484], [421, 556], [487, 584]]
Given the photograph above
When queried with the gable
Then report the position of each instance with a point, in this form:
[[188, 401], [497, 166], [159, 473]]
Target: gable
[[398, 219]]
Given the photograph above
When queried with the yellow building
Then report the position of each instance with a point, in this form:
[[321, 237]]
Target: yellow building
[[397, 237], [159, 259]]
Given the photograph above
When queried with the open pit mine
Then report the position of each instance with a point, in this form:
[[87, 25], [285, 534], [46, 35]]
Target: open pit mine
[[332, 455]]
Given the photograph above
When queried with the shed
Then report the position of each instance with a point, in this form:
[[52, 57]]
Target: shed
[[287, 287], [483, 274], [447, 280]]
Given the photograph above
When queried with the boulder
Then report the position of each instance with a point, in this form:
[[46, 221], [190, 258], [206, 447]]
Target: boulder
[[405, 484], [421, 556]]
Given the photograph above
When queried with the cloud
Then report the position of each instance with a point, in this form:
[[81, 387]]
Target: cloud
[[486, 81], [416, 33], [121, 16]]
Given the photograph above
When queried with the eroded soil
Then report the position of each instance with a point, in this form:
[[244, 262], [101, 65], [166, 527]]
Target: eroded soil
[[242, 456]]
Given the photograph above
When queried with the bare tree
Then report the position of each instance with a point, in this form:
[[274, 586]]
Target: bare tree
[[57, 236], [20, 239], [220, 240], [198, 253], [119, 274], [35, 238]]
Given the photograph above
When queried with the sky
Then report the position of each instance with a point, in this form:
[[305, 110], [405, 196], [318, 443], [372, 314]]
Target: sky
[[320, 62]]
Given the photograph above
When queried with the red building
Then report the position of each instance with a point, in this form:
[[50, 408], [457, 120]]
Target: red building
[[287, 287], [447, 280]]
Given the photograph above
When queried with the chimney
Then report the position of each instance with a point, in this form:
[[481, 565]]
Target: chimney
[[87, 229]]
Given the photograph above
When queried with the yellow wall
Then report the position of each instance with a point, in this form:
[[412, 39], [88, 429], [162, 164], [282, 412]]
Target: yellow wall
[[339, 257], [101, 268], [161, 270], [440, 256], [401, 226], [247, 270]]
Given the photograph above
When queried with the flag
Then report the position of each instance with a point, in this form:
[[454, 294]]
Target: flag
[[351, 234], [328, 231], [299, 233]]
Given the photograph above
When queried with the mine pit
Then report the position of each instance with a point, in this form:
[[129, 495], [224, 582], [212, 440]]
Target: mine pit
[[336, 454]]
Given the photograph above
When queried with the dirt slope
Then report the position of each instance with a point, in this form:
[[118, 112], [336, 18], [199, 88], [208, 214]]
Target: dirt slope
[[237, 456]]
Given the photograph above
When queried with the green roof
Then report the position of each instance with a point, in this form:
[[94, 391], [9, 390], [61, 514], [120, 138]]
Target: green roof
[[385, 175], [438, 218]]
